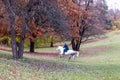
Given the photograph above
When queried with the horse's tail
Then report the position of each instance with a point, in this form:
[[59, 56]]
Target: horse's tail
[[77, 53]]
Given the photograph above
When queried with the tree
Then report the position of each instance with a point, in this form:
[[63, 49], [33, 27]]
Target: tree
[[12, 23], [83, 18], [77, 13], [42, 11], [4, 30], [114, 17], [35, 31], [99, 14], [47, 15], [98, 21]]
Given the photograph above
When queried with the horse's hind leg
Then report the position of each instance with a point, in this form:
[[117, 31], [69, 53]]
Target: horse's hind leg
[[69, 58], [74, 57]]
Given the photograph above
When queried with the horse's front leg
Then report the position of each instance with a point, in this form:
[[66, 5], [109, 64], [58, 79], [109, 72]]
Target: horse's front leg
[[77, 54]]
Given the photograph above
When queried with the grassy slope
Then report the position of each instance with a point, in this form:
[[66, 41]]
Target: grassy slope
[[103, 65]]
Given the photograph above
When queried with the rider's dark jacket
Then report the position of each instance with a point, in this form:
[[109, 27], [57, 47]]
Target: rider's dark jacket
[[66, 48]]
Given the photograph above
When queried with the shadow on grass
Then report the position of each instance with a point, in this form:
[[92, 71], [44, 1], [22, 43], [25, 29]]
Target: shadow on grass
[[5, 55], [43, 64]]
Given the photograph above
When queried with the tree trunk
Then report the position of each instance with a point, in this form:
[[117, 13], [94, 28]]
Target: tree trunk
[[5, 42], [22, 36], [51, 44], [12, 29], [13, 36], [76, 44], [14, 45], [32, 46]]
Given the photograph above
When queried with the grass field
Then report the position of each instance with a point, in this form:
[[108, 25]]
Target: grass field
[[103, 64]]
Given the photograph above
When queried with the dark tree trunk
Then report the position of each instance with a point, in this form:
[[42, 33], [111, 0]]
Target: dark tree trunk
[[5, 42], [14, 45], [51, 44], [12, 23], [32, 46], [13, 36], [22, 36], [76, 44]]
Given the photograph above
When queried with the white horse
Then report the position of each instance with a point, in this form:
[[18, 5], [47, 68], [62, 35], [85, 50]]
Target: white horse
[[71, 53]]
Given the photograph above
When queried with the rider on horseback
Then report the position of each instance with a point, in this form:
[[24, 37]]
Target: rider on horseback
[[66, 48]]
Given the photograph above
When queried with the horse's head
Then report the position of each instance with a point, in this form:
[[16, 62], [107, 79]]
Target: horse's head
[[59, 48]]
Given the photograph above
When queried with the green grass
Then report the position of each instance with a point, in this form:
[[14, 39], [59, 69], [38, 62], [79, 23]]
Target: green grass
[[102, 65], [15, 70]]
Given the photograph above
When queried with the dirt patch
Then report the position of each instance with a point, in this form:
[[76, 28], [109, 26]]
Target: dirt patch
[[34, 53], [83, 52], [43, 54]]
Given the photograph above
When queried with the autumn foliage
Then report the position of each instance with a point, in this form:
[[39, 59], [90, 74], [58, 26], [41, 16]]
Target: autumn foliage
[[77, 15], [29, 19]]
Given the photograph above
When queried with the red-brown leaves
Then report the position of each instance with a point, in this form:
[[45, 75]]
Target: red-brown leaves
[[77, 16]]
